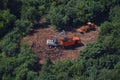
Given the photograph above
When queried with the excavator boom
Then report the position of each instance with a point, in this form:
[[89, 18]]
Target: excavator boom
[[58, 35]]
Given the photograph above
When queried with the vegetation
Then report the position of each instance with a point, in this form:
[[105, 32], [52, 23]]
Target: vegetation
[[98, 61]]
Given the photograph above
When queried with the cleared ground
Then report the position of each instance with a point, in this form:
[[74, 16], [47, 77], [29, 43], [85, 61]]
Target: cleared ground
[[37, 40]]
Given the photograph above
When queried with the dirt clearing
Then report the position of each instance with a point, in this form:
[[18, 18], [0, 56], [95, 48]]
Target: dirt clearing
[[37, 40]]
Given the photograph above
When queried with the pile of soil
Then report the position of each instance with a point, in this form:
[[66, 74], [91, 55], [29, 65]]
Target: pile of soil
[[37, 40]]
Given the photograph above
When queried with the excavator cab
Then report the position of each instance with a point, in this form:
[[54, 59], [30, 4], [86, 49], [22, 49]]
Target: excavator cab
[[51, 43], [91, 25]]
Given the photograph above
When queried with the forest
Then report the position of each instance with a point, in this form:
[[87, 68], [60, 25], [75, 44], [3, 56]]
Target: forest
[[98, 61]]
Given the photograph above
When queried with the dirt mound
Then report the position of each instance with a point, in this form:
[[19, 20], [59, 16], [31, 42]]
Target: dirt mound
[[37, 40]]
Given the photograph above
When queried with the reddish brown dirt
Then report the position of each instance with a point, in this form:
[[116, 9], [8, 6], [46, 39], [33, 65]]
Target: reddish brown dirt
[[37, 40]]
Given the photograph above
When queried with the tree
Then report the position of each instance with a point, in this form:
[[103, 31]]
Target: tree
[[106, 29], [30, 13], [6, 22], [15, 7], [73, 13], [10, 43], [7, 66], [109, 74], [26, 61], [18, 67], [23, 26], [114, 14]]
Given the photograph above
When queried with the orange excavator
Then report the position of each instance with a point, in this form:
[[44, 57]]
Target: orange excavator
[[63, 41], [85, 28]]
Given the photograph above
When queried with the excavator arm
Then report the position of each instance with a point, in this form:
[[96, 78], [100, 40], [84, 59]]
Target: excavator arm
[[55, 39]]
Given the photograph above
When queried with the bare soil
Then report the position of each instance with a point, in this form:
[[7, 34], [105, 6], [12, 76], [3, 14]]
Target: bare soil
[[37, 41]]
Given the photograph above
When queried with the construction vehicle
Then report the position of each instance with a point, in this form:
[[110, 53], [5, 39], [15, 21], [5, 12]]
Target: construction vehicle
[[83, 29], [88, 27], [63, 41]]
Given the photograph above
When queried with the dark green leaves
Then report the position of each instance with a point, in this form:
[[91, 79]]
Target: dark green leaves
[[23, 26], [6, 22], [10, 43]]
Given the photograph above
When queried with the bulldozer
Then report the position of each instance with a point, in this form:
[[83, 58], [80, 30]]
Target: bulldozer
[[63, 41], [83, 29], [88, 27]]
